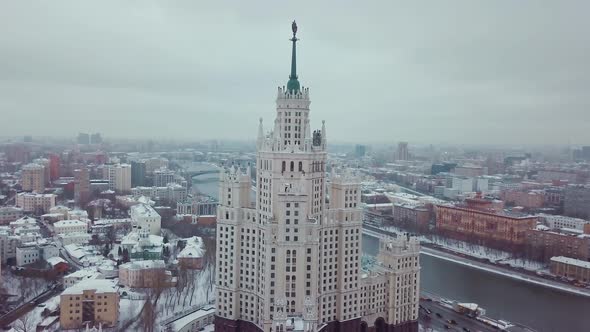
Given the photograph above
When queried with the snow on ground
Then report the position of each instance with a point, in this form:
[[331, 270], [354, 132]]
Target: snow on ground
[[427, 329], [197, 292], [526, 264], [27, 288], [128, 310], [34, 317], [478, 251]]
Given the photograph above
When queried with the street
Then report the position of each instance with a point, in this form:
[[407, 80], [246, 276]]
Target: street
[[438, 323]]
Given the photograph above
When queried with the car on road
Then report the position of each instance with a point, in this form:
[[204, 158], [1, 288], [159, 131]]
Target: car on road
[[438, 315], [466, 329], [447, 327], [454, 322], [41, 305]]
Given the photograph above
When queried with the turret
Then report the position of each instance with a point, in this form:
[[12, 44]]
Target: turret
[[260, 139]]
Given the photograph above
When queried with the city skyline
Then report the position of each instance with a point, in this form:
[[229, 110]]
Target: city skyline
[[493, 73]]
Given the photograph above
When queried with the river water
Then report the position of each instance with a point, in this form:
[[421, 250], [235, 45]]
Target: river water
[[541, 308]]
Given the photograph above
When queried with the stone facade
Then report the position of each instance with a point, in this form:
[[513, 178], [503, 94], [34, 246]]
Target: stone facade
[[294, 260], [491, 228]]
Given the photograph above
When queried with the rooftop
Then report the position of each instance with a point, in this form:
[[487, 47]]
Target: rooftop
[[66, 223], [571, 261], [99, 285], [140, 265]]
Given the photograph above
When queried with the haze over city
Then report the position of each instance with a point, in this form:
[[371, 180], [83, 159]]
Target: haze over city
[[175, 166], [491, 72]]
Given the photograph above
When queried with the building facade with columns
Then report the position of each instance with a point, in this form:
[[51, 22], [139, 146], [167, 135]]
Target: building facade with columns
[[292, 260]]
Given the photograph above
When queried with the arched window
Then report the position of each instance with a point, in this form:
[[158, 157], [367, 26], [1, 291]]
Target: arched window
[[300, 166], [284, 165], [292, 166]]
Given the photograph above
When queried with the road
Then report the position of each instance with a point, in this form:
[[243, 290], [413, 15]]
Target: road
[[14, 314], [492, 268], [438, 323]]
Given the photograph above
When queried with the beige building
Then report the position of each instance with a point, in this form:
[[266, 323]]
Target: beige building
[[389, 284], [119, 177], [144, 274], [36, 203], [33, 178], [294, 259], [70, 226], [90, 301], [571, 268]]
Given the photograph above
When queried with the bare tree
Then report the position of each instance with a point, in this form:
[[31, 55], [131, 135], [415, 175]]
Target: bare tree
[[24, 324]]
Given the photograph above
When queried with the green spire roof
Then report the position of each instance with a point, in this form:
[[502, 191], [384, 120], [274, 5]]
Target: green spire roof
[[293, 84]]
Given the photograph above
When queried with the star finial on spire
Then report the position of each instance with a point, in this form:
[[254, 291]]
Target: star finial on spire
[[294, 28]]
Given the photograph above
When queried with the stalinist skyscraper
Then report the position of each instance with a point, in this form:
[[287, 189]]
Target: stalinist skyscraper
[[293, 262]]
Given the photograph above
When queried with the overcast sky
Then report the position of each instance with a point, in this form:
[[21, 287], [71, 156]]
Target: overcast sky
[[378, 71]]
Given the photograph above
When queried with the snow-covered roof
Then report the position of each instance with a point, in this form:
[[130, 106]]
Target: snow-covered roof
[[143, 210], [75, 251], [177, 325], [144, 264], [70, 223], [55, 260], [83, 273], [571, 261], [193, 248], [26, 220], [99, 285]]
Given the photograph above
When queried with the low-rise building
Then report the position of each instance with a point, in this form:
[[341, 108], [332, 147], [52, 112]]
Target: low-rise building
[[194, 321], [498, 229], [543, 243], [143, 246], [90, 301], [556, 221], [144, 216], [144, 274], [411, 215], [171, 192], [9, 214], [191, 256], [70, 226], [570, 268], [83, 274], [36, 203], [31, 253], [533, 199], [74, 238]]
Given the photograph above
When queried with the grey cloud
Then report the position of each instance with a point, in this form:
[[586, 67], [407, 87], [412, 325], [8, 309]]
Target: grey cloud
[[487, 72]]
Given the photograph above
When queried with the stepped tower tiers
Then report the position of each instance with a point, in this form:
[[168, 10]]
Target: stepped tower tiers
[[292, 261]]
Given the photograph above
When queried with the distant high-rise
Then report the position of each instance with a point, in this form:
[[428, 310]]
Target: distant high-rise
[[33, 178], [402, 151], [577, 201], [294, 260], [81, 186], [119, 177], [360, 150], [138, 170], [95, 138], [17, 152], [54, 166], [163, 176], [83, 138]]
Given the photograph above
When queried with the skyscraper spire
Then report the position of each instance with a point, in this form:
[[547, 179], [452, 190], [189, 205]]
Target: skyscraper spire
[[293, 84]]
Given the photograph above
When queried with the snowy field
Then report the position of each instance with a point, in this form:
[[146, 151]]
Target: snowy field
[[30, 321]]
